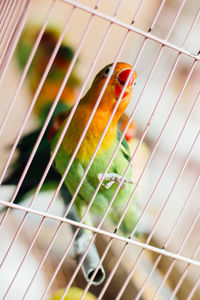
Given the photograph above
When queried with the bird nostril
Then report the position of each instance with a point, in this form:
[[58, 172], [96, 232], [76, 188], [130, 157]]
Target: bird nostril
[[123, 76]]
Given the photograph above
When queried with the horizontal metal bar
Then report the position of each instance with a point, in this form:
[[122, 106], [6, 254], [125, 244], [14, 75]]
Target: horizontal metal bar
[[102, 232], [131, 28]]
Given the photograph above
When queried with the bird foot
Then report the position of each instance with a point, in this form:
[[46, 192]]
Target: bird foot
[[80, 245], [112, 178]]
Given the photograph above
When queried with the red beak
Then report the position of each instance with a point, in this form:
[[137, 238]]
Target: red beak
[[123, 76]]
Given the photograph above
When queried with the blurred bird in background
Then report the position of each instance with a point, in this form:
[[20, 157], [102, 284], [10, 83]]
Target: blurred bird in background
[[74, 293], [45, 99], [56, 74]]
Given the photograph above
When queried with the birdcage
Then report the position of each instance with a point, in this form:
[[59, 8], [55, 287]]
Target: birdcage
[[50, 51]]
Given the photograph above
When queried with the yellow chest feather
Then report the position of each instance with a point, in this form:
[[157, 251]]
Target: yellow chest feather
[[92, 136]]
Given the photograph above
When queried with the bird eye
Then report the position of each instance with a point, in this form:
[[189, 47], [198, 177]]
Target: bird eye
[[107, 70]]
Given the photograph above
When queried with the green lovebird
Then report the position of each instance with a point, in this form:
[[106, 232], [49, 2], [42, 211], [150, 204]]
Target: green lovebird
[[88, 146]]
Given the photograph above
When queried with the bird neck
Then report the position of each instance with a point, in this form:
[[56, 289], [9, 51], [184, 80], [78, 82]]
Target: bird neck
[[106, 105]]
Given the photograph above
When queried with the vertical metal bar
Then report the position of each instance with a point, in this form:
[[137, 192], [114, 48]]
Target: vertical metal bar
[[179, 216], [26, 68], [2, 5], [10, 16], [138, 11], [5, 11], [193, 289], [123, 134], [185, 270], [91, 199], [158, 259], [157, 15], [48, 118], [172, 231], [14, 37], [41, 82], [109, 279], [166, 165], [2, 9], [77, 55]]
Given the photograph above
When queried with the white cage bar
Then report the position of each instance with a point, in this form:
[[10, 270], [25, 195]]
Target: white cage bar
[[16, 13]]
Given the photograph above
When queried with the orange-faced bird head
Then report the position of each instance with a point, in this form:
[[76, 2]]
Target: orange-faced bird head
[[115, 86]]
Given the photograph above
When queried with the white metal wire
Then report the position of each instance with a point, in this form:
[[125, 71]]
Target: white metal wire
[[124, 175], [102, 232], [140, 177], [14, 34], [6, 13], [132, 28], [26, 68]]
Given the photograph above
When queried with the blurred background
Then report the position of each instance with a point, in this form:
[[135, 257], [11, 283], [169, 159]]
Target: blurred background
[[144, 12]]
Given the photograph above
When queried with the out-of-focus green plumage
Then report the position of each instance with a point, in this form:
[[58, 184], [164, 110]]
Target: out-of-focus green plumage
[[26, 42], [36, 169], [43, 105], [39, 63]]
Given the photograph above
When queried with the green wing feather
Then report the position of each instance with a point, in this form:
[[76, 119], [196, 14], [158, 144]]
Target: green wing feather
[[38, 165], [125, 148], [36, 169], [90, 183]]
